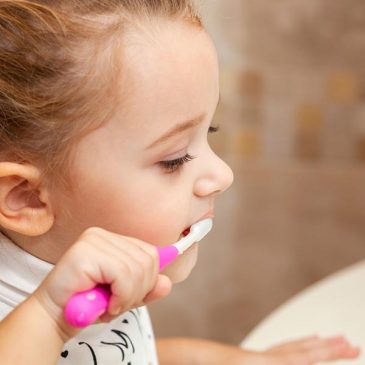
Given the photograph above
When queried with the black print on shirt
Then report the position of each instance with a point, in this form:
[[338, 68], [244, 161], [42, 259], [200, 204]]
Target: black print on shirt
[[95, 362], [122, 346], [124, 343]]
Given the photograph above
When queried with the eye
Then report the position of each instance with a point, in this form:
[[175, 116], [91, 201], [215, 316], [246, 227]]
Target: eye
[[174, 165]]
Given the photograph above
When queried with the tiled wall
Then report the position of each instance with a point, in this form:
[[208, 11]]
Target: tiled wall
[[293, 85]]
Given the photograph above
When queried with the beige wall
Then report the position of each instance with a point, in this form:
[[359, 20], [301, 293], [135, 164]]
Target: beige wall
[[293, 129]]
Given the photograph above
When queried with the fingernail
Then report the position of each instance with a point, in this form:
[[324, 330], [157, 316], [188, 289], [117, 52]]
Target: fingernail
[[353, 352]]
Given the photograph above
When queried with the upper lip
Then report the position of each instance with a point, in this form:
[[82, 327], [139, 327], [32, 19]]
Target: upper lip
[[208, 214]]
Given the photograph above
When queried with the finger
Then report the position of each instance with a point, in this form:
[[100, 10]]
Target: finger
[[162, 288], [333, 349], [346, 349], [134, 279], [123, 287], [144, 253], [131, 270], [305, 342], [147, 259], [109, 242], [142, 259], [326, 341]]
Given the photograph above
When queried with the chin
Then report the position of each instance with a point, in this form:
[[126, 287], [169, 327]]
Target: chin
[[180, 270]]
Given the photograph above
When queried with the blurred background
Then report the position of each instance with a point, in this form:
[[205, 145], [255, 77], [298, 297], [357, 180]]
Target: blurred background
[[292, 127]]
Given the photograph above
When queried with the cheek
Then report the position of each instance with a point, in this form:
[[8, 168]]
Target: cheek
[[144, 211], [156, 220], [156, 214]]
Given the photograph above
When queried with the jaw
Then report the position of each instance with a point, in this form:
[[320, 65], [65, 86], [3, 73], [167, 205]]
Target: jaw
[[181, 268]]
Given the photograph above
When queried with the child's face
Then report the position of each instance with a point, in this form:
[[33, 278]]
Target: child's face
[[120, 183]]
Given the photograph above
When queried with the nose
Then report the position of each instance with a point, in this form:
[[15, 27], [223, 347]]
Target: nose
[[215, 176]]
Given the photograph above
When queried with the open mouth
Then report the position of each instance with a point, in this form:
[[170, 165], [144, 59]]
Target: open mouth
[[185, 232]]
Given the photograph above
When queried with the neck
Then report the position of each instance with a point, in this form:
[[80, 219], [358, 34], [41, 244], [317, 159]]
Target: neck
[[44, 247]]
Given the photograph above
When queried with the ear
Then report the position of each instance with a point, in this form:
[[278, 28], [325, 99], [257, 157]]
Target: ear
[[24, 201]]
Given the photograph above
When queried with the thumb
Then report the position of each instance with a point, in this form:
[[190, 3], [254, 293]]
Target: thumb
[[162, 289]]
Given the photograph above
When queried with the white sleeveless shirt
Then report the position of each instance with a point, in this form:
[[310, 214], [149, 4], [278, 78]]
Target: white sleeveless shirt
[[128, 339]]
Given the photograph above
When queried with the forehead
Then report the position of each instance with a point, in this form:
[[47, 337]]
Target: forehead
[[172, 75]]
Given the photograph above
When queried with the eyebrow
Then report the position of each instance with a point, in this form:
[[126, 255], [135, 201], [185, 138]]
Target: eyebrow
[[179, 128]]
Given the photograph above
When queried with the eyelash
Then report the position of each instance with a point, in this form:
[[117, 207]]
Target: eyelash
[[172, 166]]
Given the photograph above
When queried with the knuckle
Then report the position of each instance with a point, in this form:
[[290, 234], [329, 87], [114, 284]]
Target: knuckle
[[139, 273], [81, 268], [151, 256], [147, 247], [147, 260], [92, 231], [151, 265], [84, 265], [125, 273], [76, 254], [127, 298], [154, 254], [79, 248]]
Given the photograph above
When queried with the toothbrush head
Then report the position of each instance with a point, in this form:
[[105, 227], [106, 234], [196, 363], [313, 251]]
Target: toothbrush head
[[201, 229], [197, 232]]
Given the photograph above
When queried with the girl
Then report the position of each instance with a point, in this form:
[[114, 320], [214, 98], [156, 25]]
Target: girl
[[105, 109]]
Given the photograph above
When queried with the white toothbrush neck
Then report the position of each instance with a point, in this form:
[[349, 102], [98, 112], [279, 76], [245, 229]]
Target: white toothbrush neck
[[186, 242], [197, 232]]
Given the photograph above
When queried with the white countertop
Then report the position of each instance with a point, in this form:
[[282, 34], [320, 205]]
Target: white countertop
[[332, 306]]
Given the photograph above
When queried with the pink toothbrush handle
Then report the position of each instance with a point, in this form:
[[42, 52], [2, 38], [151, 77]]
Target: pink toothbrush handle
[[167, 255], [86, 307]]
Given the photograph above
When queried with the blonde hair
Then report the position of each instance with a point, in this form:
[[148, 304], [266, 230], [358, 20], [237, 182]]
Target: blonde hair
[[51, 82]]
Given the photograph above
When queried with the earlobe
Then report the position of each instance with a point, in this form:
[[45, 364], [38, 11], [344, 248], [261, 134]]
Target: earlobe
[[24, 204]]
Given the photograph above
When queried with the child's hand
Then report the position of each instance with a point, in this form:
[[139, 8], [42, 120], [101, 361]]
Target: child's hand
[[130, 266], [309, 351]]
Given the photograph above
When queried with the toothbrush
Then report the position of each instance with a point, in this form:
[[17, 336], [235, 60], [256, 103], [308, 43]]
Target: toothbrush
[[87, 306]]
